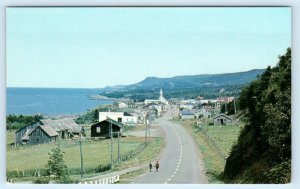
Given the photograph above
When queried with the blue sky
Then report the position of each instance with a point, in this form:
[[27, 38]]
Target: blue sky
[[98, 47]]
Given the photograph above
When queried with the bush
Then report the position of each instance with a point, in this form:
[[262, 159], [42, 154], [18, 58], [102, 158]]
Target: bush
[[41, 180], [68, 180]]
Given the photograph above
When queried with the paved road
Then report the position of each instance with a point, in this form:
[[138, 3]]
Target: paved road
[[179, 161]]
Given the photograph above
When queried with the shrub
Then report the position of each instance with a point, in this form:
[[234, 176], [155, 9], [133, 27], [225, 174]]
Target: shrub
[[41, 180]]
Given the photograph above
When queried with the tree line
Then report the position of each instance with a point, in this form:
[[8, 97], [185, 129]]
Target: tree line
[[18, 121], [263, 151]]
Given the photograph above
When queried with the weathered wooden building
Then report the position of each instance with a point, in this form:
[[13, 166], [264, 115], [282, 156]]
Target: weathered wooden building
[[102, 128], [222, 119], [56, 129], [42, 134]]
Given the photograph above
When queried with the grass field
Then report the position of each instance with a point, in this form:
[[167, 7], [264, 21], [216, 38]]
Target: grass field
[[10, 137], [26, 159], [214, 147], [94, 153]]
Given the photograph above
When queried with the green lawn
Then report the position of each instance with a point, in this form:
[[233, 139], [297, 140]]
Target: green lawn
[[225, 136], [25, 159], [221, 137], [94, 153], [10, 137]]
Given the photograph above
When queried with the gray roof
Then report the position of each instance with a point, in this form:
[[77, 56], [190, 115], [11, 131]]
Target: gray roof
[[186, 112], [62, 124], [223, 115], [49, 130]]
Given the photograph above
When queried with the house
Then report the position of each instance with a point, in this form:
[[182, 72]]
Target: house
[[63, 127], [157, 110], [203, 112], [187, 106], [122, 105], [186, 114], [222, 119], [122, 117], [102, 128]]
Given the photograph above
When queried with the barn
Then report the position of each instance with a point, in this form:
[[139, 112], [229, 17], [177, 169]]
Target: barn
[[222, 119], [42, 134], [102, 128], [64, 128]]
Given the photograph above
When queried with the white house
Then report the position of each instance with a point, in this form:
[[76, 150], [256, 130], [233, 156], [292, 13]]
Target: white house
[[123, 117], [203, 112], [222, 119], [122, 105]]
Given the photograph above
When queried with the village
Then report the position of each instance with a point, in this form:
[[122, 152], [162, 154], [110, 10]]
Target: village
[[126, 123], [57, 128]]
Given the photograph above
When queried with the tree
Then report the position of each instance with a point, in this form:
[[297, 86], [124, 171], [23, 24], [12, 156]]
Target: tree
[[56, 165], [263, 151]]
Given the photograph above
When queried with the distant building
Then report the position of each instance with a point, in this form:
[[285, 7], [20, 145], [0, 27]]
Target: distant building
[[188, 106], [102, 128], [187, 114], [225, 99], [158, 109], [222, 119], [122, 105], [56, 129], [203, 112], [160, 100], [122, 117]]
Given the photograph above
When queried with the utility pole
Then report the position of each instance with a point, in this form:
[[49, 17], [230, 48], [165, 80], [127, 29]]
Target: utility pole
[[118, 147], [234, 106], [149, 128], [111, 145], [81, 159], [146, 128]]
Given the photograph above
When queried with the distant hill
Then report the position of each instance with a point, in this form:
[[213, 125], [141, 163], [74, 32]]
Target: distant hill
[[192, 81]]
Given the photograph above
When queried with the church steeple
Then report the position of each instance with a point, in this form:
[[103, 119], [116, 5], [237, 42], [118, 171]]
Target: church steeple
[[161, 93]]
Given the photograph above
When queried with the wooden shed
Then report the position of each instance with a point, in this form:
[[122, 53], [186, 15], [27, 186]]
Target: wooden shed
[[43, 134], [222, 119], [102, 128]]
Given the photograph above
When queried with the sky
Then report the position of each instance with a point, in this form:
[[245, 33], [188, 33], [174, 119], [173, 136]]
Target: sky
[[94, 47]]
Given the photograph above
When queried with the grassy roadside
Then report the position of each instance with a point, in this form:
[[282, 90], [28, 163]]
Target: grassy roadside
[[153, 148], [213, 149]]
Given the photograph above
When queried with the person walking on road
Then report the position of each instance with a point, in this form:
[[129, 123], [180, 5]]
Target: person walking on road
[[150, 166], [157, 166]]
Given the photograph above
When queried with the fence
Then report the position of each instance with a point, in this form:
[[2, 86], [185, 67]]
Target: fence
[[108, 180], [211, 140]]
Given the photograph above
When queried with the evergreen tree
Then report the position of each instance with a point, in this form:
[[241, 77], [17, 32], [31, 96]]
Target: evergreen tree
[[263, 151], [56, 165]]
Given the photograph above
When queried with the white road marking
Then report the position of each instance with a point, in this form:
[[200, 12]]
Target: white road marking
[[180, 157]]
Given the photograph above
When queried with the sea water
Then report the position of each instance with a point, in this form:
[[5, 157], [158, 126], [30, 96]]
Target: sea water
[[30, 101]]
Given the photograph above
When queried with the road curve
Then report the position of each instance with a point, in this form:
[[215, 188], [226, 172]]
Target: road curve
[[179, 161]]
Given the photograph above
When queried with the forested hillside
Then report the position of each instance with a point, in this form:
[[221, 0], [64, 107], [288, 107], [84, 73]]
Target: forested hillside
[[263, 151], [206, 85]]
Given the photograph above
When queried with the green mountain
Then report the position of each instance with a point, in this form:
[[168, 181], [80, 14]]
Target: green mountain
[[192, 81], [206, 85]]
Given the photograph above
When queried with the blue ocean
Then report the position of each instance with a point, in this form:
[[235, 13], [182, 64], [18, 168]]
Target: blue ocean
[[29, 101]]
